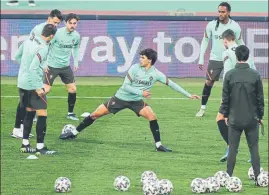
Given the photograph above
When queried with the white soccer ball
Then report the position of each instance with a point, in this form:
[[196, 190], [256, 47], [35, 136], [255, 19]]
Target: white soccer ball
[[222, 177], [62, 184], [234, 184], [263, 179], [122, 183], [150, 179], [150, 188], [212, 184], [68, 128], [165, 187], [198, 185], [251, 173], [148, 175]]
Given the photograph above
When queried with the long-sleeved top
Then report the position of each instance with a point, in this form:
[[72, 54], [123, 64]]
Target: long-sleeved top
[[61, 47], [242, 96], [216, 38], [229, 59], [31, 56], [139, 79]]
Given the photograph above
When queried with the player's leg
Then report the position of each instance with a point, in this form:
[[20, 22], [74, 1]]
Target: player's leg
[[234, 140], [223, 128], [27, 122], [113, 105], [212, 74], [17, 130], [68, 79], [142, 109], [252, 136]]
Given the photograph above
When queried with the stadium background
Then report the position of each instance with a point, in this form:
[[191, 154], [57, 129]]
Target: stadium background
[[123, 144]]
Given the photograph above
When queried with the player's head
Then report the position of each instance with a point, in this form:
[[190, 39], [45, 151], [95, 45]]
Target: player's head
[[71, 21], [55, 17], [228, 37], [49, 31], [242, 53], [148, 57], [224, 10]]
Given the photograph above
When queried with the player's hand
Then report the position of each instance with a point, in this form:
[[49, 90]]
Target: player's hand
[[193, 96], [75, 68], [260, 122], [146, 94], [46, 69], [201, 66], [226, 121], [40, 92]]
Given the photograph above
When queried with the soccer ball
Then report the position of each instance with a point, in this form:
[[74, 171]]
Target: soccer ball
[[122, 183], [251, 173], [150, 179], [148, 174], [263, 179], [62, 184], [165, 187], [222, 177], [150, 188], [234, 184], [198, 185], [68, 128], [212, 184]]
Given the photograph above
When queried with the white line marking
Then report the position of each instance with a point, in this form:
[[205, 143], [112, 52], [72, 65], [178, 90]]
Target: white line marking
[[96, 97]]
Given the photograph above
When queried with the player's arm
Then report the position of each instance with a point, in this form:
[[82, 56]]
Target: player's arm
[[127, 84], [225, 97], [36, 64], [251, 63], [204, 44], [19, 53], [260, 98], [227, 63], [238, 39], [165, 80], [76, 52]]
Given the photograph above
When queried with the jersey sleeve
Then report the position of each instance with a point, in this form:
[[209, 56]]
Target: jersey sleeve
[[238, 35], [76, 51], [19, 53], [165, 80], [204, 44]]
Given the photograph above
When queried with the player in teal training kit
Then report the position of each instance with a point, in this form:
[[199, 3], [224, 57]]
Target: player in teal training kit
[[31, 56], [66, 40], [214, 32], [137, 84], [54, 18], [229, 60]]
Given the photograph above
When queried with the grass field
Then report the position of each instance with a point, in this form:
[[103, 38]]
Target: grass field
[[121, 144]]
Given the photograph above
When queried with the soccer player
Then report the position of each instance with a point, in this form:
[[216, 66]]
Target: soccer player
[[229, 60], [54, 18], [243, 108], [136, 86], [214, 31], [66, 40], [31, 56]]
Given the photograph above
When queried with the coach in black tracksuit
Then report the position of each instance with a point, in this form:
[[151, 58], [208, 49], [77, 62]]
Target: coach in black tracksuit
[[243, 108]]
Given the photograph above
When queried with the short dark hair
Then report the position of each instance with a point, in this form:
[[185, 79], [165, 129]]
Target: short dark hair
[[150, 54], [71, 16], [229, 35], [242, 53], [48, 30], [56, 13]]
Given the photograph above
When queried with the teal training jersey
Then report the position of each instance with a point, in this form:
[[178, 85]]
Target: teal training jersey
[[37, 30], [139, 79], [31, 56], [216, 38], [61, 48], [229, 59]]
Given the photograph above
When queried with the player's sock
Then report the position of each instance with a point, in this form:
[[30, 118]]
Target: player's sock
[[85, 123], [155, 130], [223, 128], [18, 118], [27, 124], [206, 94], [40, 145], [71, 101], [25, 142], [41, 128]]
